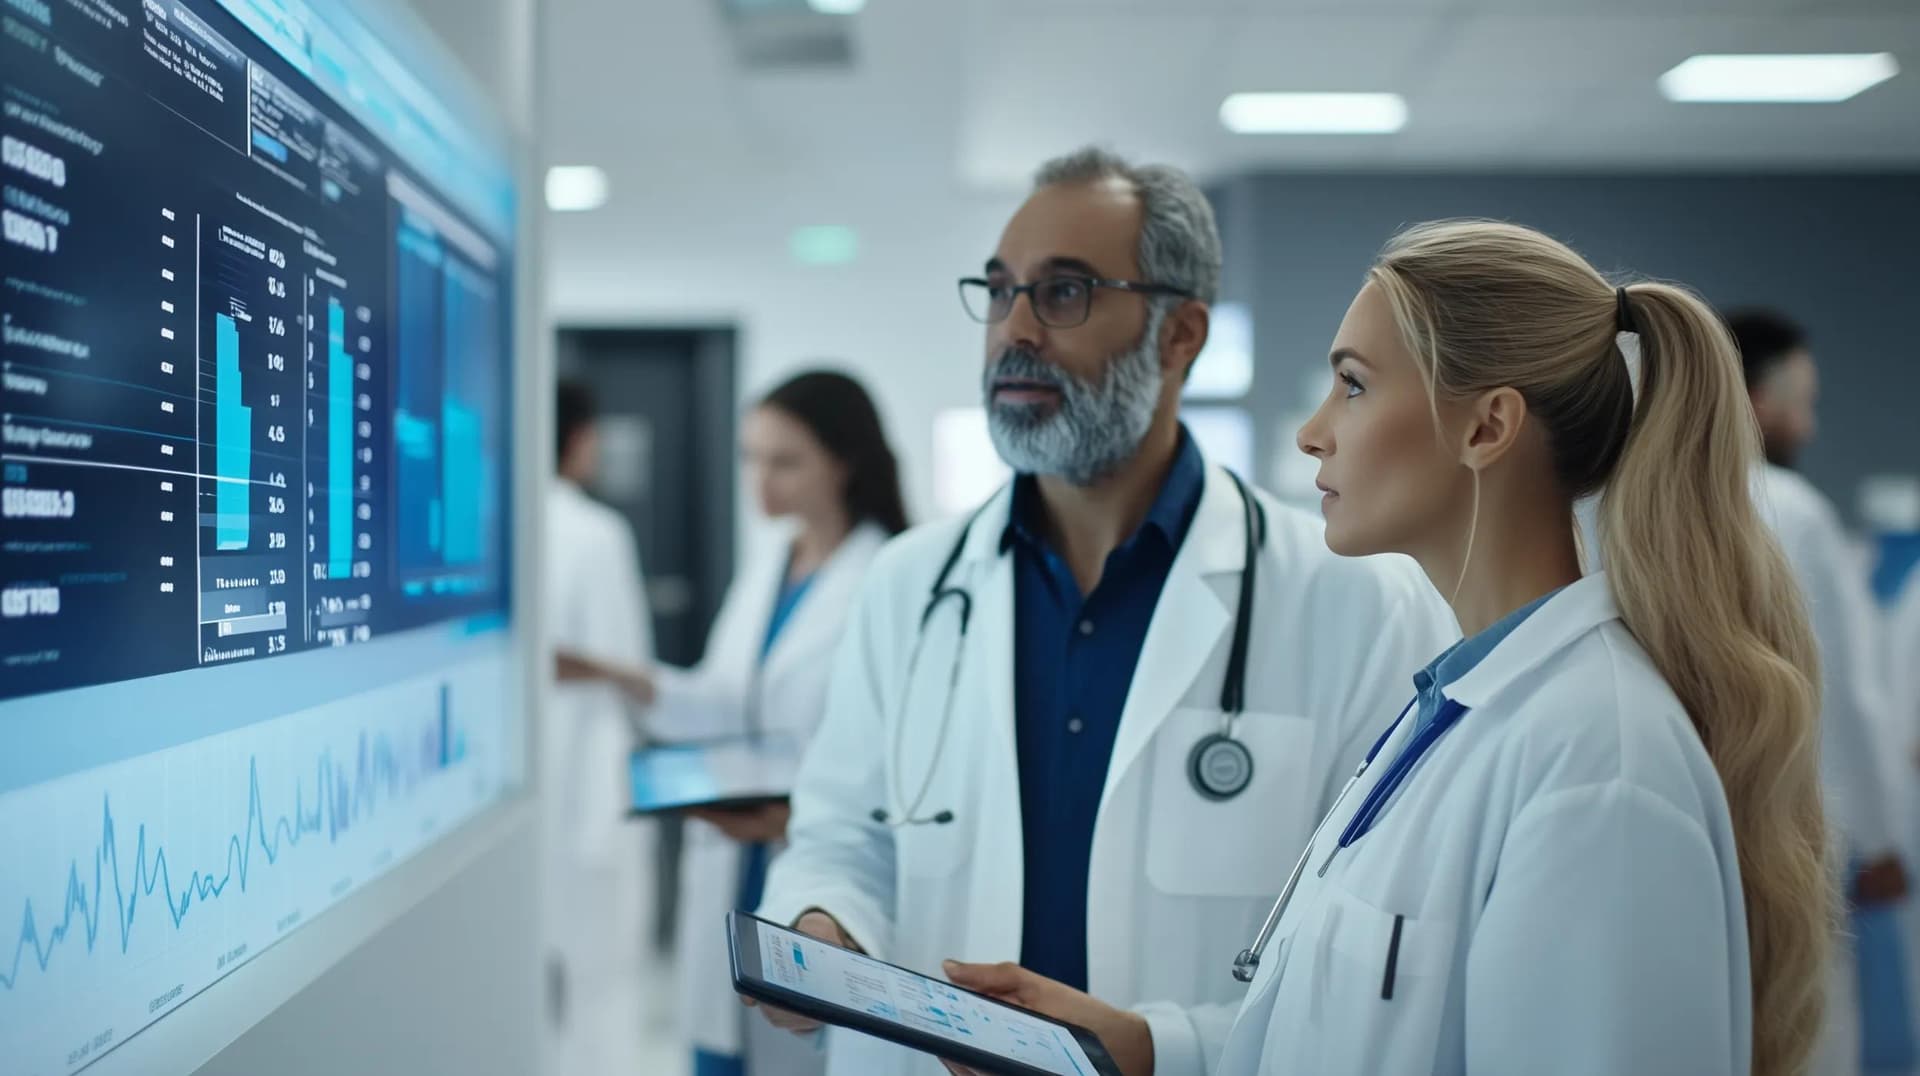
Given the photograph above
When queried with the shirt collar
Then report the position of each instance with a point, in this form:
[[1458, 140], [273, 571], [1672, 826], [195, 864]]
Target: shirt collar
[[1170, 514], [1569, 614], [1462, 657]]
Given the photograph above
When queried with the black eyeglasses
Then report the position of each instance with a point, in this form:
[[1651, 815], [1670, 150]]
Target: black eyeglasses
[[1060, 302]]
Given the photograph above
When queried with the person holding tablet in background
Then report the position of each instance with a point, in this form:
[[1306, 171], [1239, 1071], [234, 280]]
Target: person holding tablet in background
[[1594, 842], [814, 452]]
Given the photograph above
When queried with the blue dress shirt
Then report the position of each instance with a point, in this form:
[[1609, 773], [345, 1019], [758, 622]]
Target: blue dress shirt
[[1074, 660]]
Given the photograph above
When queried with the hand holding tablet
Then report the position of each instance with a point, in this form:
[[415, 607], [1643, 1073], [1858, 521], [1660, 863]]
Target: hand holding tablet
[[816, 981]]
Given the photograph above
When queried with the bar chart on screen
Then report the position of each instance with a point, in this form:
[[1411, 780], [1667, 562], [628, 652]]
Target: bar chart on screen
[[248, 450], [344, 435]]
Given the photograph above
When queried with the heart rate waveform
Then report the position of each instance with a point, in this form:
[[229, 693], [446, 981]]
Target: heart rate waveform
[[342, 797]]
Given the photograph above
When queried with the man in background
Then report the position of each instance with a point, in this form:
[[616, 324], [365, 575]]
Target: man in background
[[1783, 383], [598, 893]]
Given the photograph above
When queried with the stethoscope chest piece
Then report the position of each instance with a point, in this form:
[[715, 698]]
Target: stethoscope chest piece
[[1220, 767]]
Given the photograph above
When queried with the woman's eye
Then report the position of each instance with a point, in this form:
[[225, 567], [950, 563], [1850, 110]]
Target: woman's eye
[[1354, 387]]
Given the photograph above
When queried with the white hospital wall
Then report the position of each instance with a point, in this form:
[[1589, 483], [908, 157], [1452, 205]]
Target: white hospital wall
[[892, 317]]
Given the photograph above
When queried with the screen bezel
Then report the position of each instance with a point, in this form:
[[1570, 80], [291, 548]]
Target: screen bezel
[[744, 948]]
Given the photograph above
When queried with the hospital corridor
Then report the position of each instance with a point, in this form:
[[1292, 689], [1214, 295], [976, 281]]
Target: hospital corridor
[[969, 538]]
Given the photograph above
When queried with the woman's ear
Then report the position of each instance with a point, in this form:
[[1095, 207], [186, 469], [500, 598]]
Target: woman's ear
[[1493, 426]]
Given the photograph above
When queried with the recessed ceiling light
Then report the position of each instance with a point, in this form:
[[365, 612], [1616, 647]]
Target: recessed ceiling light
[[1314, 113], [572, 188], [837, 7], [1804, 78], [824, 244]]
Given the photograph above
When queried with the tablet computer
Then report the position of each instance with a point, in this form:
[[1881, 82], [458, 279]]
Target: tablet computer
[[803, 974], [715, 774]]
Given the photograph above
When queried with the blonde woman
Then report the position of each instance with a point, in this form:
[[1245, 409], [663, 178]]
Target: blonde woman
[[1593, 843]]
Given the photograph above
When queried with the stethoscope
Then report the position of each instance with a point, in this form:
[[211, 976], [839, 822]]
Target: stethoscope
[[1220, 767], [1358, 826]]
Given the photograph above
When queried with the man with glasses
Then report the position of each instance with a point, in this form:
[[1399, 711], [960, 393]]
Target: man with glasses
[[1090, 727]]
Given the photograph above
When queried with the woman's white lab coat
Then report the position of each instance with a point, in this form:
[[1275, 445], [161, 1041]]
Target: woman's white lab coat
[[719, 697], [1559, 872]]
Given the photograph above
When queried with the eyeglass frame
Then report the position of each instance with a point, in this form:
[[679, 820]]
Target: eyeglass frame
[[1137, 287]]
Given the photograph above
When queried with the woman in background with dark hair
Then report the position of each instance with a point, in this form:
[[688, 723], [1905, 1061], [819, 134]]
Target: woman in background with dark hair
[[814, 453]]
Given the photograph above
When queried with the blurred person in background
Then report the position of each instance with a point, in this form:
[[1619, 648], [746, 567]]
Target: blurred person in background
[[598, 889], [816, 457], [1856, 727]]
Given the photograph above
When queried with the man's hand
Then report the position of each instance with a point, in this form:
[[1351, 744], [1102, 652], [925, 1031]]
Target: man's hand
[[814, 924], [748, 825], [636, 684], [1880, 881], [1124, 1034]]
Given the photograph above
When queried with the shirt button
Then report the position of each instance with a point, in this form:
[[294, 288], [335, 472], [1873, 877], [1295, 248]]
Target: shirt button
[[1086, 627], [1074, 725]]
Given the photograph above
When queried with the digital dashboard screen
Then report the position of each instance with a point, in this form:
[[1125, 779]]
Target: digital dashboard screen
[[256, 283]]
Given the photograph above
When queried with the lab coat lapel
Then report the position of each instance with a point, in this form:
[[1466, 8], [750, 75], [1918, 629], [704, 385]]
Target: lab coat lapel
[[997, 907], [827, 595], [739, 657], [988, 577], [1188, 623]]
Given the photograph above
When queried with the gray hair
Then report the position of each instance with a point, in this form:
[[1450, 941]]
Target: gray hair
[[1179, 241]]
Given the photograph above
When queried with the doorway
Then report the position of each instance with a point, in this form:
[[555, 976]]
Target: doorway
[[667, 432]]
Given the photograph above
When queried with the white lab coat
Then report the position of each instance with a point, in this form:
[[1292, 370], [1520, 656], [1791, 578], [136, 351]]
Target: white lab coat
[[1858, 752], [598, 895], [1177, 883], [1903, 669], [1856, 727], [788, 695], [1561, 871]]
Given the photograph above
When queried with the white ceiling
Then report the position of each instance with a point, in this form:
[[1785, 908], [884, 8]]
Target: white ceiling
[[952, 102]]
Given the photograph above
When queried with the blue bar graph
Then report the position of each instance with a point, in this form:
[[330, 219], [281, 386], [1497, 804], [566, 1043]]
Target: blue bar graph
[[447, 756], [418, 409], [460, 482], [445, 417], [233, 453], [339, 445]]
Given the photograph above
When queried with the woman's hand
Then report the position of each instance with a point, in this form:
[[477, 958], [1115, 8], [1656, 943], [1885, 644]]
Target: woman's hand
[[1124, 1034], [638, 685], [748, 825]]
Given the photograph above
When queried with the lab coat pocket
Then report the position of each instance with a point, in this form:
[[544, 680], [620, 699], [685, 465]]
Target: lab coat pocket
[[934, 850], [1241, 847], [1376, 989]]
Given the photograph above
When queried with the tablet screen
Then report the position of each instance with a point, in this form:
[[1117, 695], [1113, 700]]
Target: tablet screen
[[689, 775], [848, 980]]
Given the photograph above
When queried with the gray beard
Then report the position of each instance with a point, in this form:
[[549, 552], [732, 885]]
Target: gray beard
[[1097, 425]]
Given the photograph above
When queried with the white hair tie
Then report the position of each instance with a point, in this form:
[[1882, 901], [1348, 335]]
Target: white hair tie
[[1627, 338]]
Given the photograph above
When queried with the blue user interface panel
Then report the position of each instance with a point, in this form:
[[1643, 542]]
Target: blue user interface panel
[[256, 647]]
